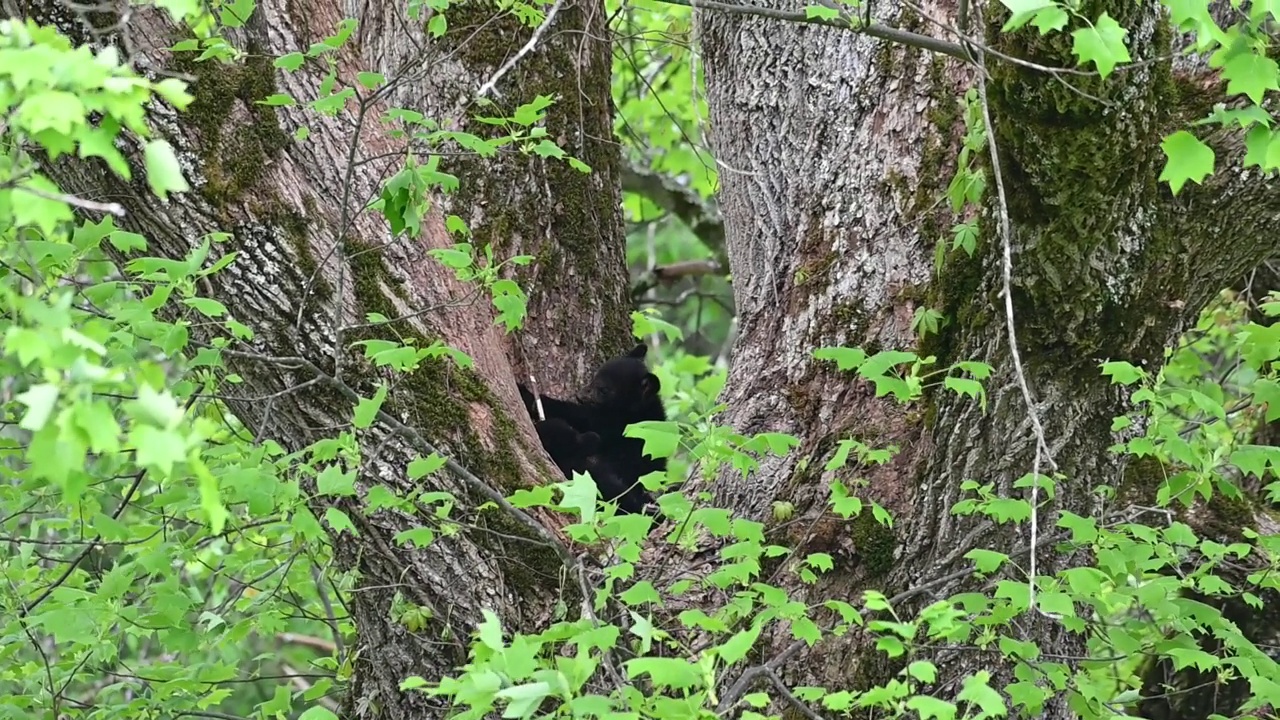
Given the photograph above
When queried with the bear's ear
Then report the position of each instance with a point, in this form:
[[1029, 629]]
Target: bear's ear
[[649, 386], [588, 443], [638, 351]]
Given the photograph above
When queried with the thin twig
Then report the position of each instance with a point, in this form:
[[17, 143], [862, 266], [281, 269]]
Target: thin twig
[[845, 21], [112, 208], [489, 84], [1002, 208], [752, 674]]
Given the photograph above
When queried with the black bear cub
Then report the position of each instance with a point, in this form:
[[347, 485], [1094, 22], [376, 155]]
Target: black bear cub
[[622, 392], [573, 452]]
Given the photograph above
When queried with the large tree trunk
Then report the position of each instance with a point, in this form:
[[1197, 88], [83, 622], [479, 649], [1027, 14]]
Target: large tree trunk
[[838, 148], [311, 265]]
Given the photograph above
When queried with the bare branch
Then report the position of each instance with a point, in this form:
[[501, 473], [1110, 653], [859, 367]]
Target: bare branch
[[72, 200], [668, 274], [489, 84], [702, 218], [845, 21]]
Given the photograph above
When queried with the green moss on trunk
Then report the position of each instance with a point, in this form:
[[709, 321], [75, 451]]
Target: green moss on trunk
[[234, 158], [437, 399], [542, 202], [1080, 161]]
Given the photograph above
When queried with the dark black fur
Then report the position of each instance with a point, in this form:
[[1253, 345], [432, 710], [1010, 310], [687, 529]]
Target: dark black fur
[[622, 392], [573, 451]]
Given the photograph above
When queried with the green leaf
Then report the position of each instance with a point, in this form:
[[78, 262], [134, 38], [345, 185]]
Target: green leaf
[[965, 386], [158, 408], [845, 358], [339, 521], [421, 467], [206, 306], [1251, 74], [1268, 392], [412, 682], [1028, 695], [931, 707], [174, 92], [1102, 44], [546, 148], [380, 497], [977, 690], [1052, 18], [523, 700], [437, 25], [531, 112], [333, 481], [641, 592], [822, 12], [235, 13], [291, 61], [923, 670], [125, 241], [987, 561], [55, 110], [164, 174], [40, 401], [661, 439], [737, 647], [160, 449], [99, 424], [1021, 11], [1188, 159], [878, 364], [367, 409], [777, 443], [821, 561], [489, 631], [671, 672], [36, 203], [580, 494], [180, 10], [1189, 656], [210, 497], [1057, 603], [370, 80], [278, 100], [416, 537], [1122, 373], [1262, 147], [1253, 459]]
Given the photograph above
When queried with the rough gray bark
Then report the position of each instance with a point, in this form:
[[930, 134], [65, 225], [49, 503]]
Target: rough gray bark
[[835, 148], [311, 265]]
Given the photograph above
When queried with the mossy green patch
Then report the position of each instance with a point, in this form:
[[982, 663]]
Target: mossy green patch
[[581, 209], [874, 669], [436, 399], [234, 158], [956, 293], [297, 229], [937, 159], [911, 21], [874, 543], [1226, 518], [847, 319], [370, 275], [1084, 157]]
